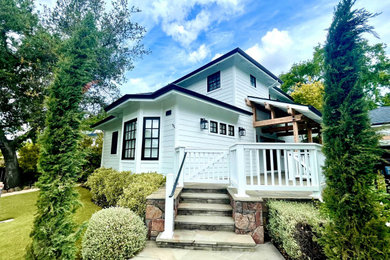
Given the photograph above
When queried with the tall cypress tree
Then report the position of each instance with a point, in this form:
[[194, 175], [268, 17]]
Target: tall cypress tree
[[54, 233], [357, 227]]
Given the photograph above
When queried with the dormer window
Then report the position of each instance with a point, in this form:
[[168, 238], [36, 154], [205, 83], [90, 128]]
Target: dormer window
[[253, 81], [214, 81]]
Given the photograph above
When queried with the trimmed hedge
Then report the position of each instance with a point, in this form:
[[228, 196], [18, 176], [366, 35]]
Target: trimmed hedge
[[110, 187], [295, 228], [134, 196], [114, 233]]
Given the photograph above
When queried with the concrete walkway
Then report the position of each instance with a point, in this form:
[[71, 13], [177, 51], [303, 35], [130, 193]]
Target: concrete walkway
[[266, 251], [18, 192]]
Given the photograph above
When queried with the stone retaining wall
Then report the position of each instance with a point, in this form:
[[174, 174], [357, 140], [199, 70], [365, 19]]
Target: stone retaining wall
[[249, 217], [155, 211]]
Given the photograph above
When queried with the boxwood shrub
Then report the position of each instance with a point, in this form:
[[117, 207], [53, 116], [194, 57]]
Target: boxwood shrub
[[114, 233], [110, 187], [134, 195], [295, 228]]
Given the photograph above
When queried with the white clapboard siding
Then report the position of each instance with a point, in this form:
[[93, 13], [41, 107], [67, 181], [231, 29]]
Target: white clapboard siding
[[111, 160]]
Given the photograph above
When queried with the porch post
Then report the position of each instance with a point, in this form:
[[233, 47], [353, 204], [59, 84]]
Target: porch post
[[241, 178], [169, 217]]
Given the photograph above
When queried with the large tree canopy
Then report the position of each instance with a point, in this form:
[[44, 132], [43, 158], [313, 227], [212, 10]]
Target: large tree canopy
[[374, 73], [357, 227], [30, 45], [26, 59]]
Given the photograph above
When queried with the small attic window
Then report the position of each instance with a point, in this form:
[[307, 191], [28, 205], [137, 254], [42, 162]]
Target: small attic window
[[253, 81], [214, 81]]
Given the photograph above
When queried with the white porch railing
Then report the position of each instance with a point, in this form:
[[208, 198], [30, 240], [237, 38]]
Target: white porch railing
[[276, 167], [247, 166], [205, 165]]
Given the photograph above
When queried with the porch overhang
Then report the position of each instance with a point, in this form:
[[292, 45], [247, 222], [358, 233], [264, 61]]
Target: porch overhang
[[286, 118]]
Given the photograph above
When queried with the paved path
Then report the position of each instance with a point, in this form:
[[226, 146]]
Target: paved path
[[266, 251], [18, 192]]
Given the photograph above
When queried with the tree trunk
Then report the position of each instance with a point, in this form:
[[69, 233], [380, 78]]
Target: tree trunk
[[12, 173]]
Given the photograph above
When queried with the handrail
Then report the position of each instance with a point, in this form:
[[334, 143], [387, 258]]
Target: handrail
[[178, 175]]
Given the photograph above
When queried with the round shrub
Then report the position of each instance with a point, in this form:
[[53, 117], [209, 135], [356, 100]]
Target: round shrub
[[114, 233]]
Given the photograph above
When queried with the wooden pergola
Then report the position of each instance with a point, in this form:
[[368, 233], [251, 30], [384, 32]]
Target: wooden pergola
[[285, 123]]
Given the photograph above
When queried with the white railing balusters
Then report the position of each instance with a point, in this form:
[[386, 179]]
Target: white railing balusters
[[296, 167], [279, 169]]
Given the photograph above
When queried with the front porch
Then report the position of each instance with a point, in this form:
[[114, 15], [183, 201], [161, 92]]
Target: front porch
[[226, 191]]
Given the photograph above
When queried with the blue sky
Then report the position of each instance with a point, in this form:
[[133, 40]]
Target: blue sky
[[184, 35]]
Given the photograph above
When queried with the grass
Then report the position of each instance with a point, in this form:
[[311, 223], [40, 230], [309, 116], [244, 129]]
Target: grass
[[14, 236]]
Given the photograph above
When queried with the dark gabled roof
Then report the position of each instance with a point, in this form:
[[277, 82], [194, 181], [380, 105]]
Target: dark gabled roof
[[103, 121], [380, 116], [173, 87], [283, 93], [230, 53]]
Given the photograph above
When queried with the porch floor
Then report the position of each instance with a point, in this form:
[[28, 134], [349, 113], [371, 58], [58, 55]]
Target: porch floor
[[254, 195]]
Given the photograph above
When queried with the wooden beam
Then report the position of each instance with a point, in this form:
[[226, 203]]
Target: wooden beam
[[301, 132], [270, 108], [277, 121], [285, 128], [309, 134]]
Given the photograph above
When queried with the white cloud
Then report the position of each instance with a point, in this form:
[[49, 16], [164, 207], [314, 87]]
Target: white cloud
[[273, 50], [216, 56], [138, 85], [200, 54], [184, 21]]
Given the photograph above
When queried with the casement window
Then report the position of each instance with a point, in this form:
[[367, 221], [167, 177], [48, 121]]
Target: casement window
[[222, 129], [129, 138], [253, 81], [214, 81], [114, 142], [231, 130], [151, 140], [213, 127]]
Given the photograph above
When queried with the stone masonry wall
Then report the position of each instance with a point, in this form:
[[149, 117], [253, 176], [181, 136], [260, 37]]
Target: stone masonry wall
[[155, 215], [249, 218]]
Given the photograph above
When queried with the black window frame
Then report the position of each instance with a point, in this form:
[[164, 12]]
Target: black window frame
[[151, 138], [114, 142], [230, 127], [212, 79], [222, 128], [124, 149], [253, 81], [211, 127]]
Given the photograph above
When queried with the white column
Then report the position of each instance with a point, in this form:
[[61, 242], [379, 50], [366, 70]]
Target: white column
[[241, 178], [169, 217]]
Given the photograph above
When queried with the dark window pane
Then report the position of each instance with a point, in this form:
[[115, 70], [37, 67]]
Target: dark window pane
[[114, 142], [213, 127], [253, 81], [214, 81], [231, 130], [222, 129], [151, 138], [129, 138]]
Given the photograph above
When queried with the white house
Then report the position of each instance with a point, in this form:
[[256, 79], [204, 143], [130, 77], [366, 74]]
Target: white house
[[230, 103], [227, 122]]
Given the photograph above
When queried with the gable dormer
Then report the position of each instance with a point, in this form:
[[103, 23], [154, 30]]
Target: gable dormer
[[233, 77]]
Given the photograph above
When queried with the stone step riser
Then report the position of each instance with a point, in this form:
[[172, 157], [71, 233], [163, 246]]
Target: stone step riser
[[220, 191], [199, 200], [205, 212], [210, 227], [210, 247]]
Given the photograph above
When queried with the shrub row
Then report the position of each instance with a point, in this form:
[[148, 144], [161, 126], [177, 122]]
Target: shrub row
[[295, 228], [110, 187]]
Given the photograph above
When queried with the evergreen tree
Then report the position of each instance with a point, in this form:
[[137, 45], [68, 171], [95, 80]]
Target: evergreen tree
[[55, 233], [357, 227]]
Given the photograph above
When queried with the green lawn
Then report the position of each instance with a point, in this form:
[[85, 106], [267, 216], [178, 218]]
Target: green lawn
[[14, 236]]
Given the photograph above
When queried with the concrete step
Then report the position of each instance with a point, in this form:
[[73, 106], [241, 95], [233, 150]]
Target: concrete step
[[191, 197], [208, 240], [211, 223], [205, 209], [205, 189]]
